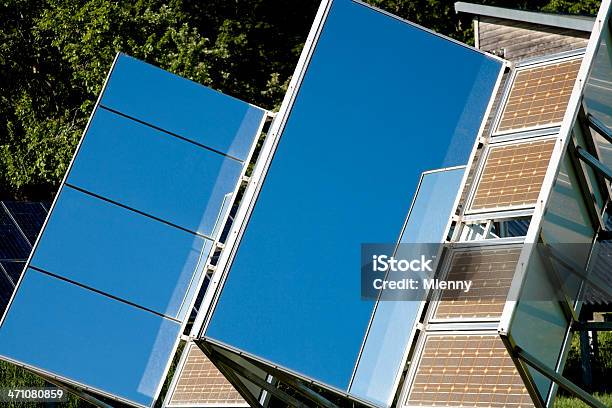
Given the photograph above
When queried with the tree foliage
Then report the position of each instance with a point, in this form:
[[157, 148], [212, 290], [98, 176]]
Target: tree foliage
[[54, 56]]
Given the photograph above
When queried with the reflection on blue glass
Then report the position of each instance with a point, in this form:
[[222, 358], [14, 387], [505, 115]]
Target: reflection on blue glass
[[186, 108], [88, 337], [397, 101], [391, 328], [119, 252], [154, 172]]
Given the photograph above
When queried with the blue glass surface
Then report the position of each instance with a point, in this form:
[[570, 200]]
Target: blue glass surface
[[156, 173], [87, 337], [119, 252], [381, 102], [181, 106], [391, 328]]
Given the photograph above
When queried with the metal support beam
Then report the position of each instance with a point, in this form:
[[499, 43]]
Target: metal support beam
[[305, 391], [221, 359], [599, 127], [592, 326], [595, 164], [559, 379]]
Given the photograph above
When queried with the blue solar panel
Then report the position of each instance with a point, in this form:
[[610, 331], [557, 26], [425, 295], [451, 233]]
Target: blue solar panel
[[30, 217], [130, 256], [381, 101], [163, 176], [87, 337], [120, 259], [185, 108]]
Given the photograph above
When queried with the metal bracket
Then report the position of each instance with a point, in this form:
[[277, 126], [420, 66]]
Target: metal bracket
[[558, 379]]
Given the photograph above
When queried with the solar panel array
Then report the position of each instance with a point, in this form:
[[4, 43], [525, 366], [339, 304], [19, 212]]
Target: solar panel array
[[512, 175], [130, 233], [491, 270], [20, 223], [539, 96], [201, 384], [467, 371]]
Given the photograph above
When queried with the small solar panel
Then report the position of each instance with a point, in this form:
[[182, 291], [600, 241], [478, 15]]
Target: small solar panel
[[29, 216], [200, 383], [467, 370], [13, 245], [512, 175], [490, 270], [539, 96]]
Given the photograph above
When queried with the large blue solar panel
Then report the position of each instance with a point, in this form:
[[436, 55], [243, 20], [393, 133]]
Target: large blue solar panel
[[119, 261], [381, 101], [86, 337], [185, 108]]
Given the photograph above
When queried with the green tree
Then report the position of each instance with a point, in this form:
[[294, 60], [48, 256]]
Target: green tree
[[54, 56]]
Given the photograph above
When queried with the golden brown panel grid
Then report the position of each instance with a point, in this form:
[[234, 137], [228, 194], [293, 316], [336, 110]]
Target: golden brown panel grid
[[513, 175], [539, 96], [467, 371], [201, 383], [491, 271]]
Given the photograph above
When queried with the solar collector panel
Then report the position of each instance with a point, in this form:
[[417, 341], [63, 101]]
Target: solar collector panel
[[512, 175], [466, 370], [539, 96]]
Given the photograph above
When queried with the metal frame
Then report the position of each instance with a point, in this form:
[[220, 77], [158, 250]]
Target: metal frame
[[560, 149], [525, 65]]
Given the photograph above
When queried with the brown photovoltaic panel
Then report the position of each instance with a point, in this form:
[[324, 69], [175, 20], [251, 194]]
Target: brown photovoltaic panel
[[512, 175], [539, 96], [201, 384], [467, 371], [491, 271]]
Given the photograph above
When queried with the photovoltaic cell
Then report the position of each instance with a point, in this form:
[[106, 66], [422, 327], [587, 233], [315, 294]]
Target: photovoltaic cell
[[30, 217], [467, 371], [13, 269], [512, 175], [13, 244], [491, 271], [539, 96], [201, 384]]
